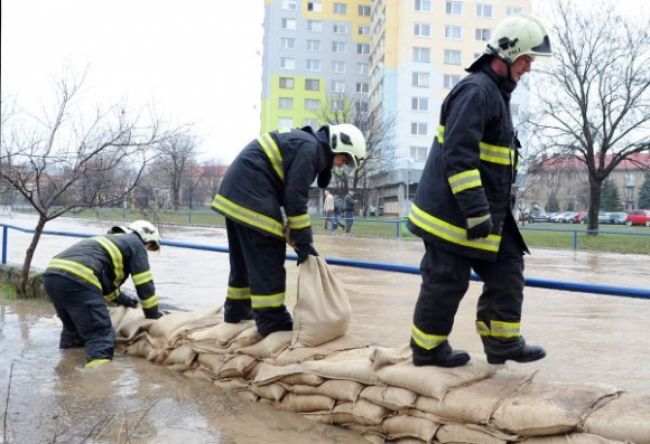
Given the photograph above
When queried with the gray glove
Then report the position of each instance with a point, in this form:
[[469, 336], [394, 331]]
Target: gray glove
[[479, 226]]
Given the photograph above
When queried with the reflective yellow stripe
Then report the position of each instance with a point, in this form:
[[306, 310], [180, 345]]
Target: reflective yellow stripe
[[267, 301], [112, 296], [474, 221], [495, 153], [424, 340], [273, 153], [79, 270], [142, 278], [300, 221], [96, 363], [150, 302], [465, 180], [482, 329], [451, 233], [238, 293], [500, 329], [250, 217], [116, 258], [440, 135]]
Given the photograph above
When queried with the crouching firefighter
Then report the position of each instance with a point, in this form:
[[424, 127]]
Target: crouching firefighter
[[81, 279], [274, 173]]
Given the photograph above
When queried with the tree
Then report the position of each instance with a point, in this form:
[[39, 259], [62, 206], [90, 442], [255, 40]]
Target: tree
[[65, 161], [610, 199], [644, 193], [553, 205], [599, 110], [176, 154]]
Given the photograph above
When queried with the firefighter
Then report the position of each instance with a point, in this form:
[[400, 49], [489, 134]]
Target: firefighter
[[271, 176], [462, 208], [82, 278]]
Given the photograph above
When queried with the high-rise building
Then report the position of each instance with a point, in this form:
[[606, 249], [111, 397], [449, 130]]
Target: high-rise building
[[399, 57]]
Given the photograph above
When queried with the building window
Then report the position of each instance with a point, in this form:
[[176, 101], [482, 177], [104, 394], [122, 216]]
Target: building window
[[482, 34], [287, 63], [312, 84], [419, 128], [362, 88], [314, 26], [423, 5], [315, 6], [338, 105], [312, 104], [422, 29], [364, 10], [287, 43], [340, 28], [290, 5], [483, 10], [286, 103], [340, 9], [421, 55], [338, 47], [362, 68], [419, 153], [313, 45], [363, 48], [420, 79], [288, 23], [453, 32], [286, 82], [513, 10], [338, 86], [450, 80], [419, 104], [312, 64], [361, 106], [454, 8], [338, 67], [285, 122], [364, 30], [452, 57]]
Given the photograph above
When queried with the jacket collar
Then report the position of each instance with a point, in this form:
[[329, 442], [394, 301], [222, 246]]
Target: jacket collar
[[505, 84]]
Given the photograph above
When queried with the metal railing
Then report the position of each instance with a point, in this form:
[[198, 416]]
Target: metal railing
[[610, 290]]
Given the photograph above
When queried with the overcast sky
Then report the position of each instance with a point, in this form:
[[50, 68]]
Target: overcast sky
[[195, 61]]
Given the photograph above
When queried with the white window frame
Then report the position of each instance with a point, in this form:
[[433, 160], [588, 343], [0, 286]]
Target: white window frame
[[339, 67], [338, 86], [312, 104], [450, 80], [421, 54], [422, 5], [363, 69], [482, 34], [454, 7], [288, 23], [339, 8], [285, 103], [419, 128], [453, 32], [313, 45], [285, 122], [287, 43], [421, 29], [364, 30], [484, 10], [453, 57], [315, 6], [315, 25], [420, 79], [363, 48], [364, 10], [290, 5], [362, 88], [514, 10], [287, 63], [340, 28], [419, 104], [339, 47], [418, 153], [308, 82], [312, 65], [286, 81]]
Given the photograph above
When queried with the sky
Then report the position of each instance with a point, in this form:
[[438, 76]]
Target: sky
[[190, 61]]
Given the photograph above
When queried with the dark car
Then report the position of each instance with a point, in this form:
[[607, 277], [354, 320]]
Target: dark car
[[616, 218], [538, 216]]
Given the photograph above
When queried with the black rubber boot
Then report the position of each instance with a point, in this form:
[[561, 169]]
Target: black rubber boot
[[271, 320], [499, 351], [234, 312], [440, 356]]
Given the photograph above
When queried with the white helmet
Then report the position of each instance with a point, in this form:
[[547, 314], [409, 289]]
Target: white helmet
[[147, 231], [517, 36], [346, 138]]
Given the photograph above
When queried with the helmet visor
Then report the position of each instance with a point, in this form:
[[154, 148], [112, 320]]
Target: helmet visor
[[543, 49]]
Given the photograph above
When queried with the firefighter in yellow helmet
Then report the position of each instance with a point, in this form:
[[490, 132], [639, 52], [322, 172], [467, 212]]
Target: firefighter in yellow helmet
[[81, 279], [462, 208], [272, 175]]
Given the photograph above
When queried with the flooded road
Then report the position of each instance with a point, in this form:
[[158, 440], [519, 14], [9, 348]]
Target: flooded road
[[588, 338]]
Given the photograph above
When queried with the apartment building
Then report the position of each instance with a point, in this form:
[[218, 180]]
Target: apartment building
[[398, 56]]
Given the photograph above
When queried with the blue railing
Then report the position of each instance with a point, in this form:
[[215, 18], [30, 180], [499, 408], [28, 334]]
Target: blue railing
[[610, 290]]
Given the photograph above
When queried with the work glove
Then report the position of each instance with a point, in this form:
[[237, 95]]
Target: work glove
[[303, 251], [126, 300], [479, 226], [152, 313]]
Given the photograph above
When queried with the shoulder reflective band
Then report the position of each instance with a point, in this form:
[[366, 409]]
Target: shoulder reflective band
[[116, 257], [298, 222], [267, 300], [238, 293], [465, 180], [451, 233], [150, 302], [499, 329], [142, 278], [440, 134], [273, 153], [77, 269], [249, 217], [424, 340]]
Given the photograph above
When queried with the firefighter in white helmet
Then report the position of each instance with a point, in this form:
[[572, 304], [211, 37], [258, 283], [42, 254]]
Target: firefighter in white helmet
[[462, 208], [272, 174]]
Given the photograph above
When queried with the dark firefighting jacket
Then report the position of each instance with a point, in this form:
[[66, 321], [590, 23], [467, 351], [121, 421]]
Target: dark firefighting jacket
[[105, 262], [272, 172], [470, 169]]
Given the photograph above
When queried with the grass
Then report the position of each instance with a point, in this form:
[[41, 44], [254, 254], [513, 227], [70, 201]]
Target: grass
[[8, 291]]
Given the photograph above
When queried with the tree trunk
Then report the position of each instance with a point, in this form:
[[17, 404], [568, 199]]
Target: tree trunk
[[29, 255], [594, 206]]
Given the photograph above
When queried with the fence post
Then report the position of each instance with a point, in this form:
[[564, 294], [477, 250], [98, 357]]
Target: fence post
[[398, 225], [5, 236], [575, 240], [189, 217]]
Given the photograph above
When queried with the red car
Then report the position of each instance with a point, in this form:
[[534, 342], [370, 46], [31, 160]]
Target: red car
[[638, 217], [579, 217]]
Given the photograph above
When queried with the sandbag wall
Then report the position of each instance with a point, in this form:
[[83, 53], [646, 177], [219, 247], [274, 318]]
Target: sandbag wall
[[378, 392]]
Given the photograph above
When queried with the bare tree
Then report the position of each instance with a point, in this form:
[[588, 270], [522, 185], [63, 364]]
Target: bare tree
[[595, 104], [63, 162], [175, 155]]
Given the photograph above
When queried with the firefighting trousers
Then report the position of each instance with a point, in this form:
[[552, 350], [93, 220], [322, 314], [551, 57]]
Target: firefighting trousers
[[445, 279], [257, 279], [85, 317]]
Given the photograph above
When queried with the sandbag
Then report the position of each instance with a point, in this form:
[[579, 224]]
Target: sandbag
[[306, 403], [394, 398], [627, 417], [322, 311], [573, 438], [341, 390], [405, 426], [273, 392], [466, 434], [269, 346], [297, 353], [361, 412]]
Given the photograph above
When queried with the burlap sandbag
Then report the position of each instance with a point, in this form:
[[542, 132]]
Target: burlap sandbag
[[322, 310], [273, 392], [269, 346], [361, 412], [293, 355], [468, 434], [574, 438], [341, 390], [393, 398], [306, 403], [406, 426], [302, 379], [627, 417]]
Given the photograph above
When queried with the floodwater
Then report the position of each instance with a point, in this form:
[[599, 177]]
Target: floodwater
[[588, 338]]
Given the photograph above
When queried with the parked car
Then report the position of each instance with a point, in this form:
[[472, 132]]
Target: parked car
[[579, 217], [559, 217], [616, 218], [538, 216], [638, 217]]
